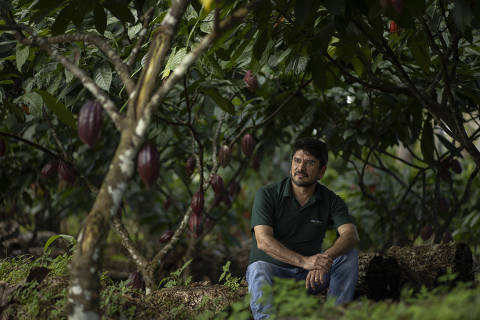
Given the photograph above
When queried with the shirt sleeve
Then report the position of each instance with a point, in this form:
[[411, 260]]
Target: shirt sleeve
[[339, 213], [263, 209]]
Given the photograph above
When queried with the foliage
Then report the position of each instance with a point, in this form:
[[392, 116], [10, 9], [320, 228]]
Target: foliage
[[175, 278], [230, 282]]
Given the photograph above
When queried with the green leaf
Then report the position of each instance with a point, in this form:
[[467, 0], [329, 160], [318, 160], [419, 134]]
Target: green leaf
[[66, 237], [337, 7], [21, 56], [174, 60], [62, 20], [119, 8], [103, 76], [100, 17], [225, 104], [462, 14], [426, 142], [34, 102], [61, 111], [358, 66], [418, 48]]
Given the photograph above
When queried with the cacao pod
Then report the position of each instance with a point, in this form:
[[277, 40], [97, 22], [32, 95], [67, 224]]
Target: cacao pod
[[224, 155], [397, 5], [443, 204], [248, 144], [190, 165], [195, 225], [166, 236], [197, 202], [426, 232], [394, 26], [66, 172], [227, 199], [218, 197], [455, 166], [148, 164], [166, 204], [135, 281], [90, 120], [234, 188], [251, 81], [256, 161], [49, 169], [3, 147], [447, 237], [217, 184]]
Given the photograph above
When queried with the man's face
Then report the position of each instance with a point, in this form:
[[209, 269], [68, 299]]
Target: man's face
[[306, 169]]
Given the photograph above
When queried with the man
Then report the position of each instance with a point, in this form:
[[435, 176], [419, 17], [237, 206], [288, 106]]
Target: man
[[289, 220]]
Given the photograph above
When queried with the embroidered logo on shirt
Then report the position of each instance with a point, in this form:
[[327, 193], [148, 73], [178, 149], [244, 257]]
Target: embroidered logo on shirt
[[316, 221]]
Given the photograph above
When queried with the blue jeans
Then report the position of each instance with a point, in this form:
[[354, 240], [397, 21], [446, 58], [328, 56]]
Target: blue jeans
[[340, 280]]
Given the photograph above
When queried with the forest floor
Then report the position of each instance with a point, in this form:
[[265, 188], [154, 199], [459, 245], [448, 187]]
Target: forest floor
[[207, 287]]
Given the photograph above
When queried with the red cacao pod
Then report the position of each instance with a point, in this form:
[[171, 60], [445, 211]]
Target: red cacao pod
[[224, 155], [90, 120], [49, 169], [233, 189], [217, 184], [166, 204], [3, 147], [190, 165], [197, 202], [148, 164], [195, 224], [447, 237], [256, 161], [426, 232], [248, 144], [135, 281], [397, 5], [455, 166], [251, 81], [66, 172], [227, 199], [166, 236], [394, 26]]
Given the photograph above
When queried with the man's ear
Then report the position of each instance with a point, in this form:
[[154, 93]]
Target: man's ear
[[321, 172]]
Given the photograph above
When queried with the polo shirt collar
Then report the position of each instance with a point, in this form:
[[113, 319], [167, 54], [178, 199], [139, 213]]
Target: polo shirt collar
[[288, 192]]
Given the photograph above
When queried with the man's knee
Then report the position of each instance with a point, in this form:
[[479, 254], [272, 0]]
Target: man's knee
[[259, 271]]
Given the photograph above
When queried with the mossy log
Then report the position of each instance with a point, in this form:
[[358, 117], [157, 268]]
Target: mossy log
[[424, 265], [382, 276]]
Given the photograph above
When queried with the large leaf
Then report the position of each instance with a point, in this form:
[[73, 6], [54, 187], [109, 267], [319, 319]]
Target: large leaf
[[21, 56], [58, 108], [103, 76], [426, 143], [174, 60], [62, 20], [225, 104], [119, 8], [462, 14], [100, 17]]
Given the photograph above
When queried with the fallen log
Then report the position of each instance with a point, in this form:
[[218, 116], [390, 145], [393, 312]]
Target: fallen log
[[383, 276], [424, 265]]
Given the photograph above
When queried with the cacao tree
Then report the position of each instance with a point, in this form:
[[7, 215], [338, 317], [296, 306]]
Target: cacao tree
[[370, 77]]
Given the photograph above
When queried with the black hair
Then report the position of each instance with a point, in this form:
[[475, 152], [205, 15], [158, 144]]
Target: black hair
[[315, 147]]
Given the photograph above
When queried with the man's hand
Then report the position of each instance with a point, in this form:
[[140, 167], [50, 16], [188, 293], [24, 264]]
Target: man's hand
[[321, 261], [314, 278]]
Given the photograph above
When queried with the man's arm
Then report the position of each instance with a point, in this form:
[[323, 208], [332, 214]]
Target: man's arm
[[274, 248], [347, 240]]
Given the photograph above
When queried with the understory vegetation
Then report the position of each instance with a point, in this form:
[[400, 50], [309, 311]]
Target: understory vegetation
[[28, 294]]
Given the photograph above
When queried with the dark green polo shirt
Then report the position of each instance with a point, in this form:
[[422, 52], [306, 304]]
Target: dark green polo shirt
[[300, 229]]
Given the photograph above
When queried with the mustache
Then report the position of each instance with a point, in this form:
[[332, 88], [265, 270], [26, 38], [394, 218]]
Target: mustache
[[302, 172]]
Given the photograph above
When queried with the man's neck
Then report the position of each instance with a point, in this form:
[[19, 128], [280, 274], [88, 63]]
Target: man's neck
[[303, 194]]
